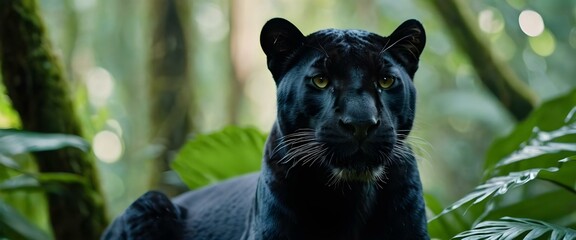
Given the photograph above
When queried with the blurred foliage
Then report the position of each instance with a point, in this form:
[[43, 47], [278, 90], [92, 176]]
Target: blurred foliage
[[17, 178], [8, 117], [104, 45]]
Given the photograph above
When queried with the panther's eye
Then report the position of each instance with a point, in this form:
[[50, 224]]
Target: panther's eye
[[320, 81], [386, 82]]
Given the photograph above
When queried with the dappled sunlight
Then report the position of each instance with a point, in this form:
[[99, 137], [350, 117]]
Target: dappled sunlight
[[261, 92], [100, 85], [490, 21], [107, 146], [212, 24], [531, 23], [84, 4], [544, 44]]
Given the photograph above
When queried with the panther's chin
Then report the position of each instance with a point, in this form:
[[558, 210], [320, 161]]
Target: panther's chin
[[358, 175]]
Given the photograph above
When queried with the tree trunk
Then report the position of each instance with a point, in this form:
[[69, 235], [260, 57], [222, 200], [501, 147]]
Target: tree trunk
[[235, 60], [39, 93], [170, 92], [496, 75]]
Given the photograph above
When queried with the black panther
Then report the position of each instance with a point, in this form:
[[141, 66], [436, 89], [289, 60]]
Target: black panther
[[336, 163]]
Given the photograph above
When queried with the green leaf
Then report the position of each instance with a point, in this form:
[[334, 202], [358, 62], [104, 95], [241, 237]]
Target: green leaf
[[8, 162], [15, 226], [60, 178], [211, 158], [531, 206], [565, 177], [445, 227], [547, 135], [542, 143], [8, 116], [41, 181], [494, 187], [516, 228], [20, 182], [500, 185], [14, 142], [542, 147]]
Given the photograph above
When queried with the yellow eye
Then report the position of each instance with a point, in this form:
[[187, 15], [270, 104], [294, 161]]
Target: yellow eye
[[320, 81], [386, 82]]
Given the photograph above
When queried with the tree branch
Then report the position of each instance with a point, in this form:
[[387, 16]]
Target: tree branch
[[495, 74]]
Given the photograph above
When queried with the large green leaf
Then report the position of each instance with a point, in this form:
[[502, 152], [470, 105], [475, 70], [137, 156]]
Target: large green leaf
[[501, 185], [565, 177], [40, 181], [211, 158], [446, 226], [547, 135], [15, 226], [494, 187], [14, 142], [8, 162], [543, 147], [517, 228], [557, 203]]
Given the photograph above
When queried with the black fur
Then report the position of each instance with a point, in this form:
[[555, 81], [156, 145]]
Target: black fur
[[144, 218], [336, 165]]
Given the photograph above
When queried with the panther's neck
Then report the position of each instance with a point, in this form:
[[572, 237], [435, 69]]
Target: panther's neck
[[300, 201]]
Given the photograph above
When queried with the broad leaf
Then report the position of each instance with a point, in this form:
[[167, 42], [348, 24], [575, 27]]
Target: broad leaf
[[8, 162], [517, 228], [20, 182], [565, 177], [532, 207], [502, 184], [546, 136], [542, 147], [543, 143], [15, 226], [211, 158], [494, 187], [41, 181], [14, 142], [445, 227]]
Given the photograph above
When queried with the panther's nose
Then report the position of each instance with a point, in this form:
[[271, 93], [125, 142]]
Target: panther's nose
[[360, 129]]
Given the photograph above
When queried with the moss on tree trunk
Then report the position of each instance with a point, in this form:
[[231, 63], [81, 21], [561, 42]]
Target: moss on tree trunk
[[35, 84], [170, 92]]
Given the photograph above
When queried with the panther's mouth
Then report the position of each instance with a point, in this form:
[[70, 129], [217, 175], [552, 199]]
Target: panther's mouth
[[350, 174], [358, 164]]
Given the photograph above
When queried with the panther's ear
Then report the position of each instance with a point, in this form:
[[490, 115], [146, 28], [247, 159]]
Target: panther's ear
[[279, 38], [407, 42]]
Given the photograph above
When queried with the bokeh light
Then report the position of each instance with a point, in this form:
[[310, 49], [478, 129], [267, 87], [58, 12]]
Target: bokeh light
[[531, 23], [544, 44], [100, 85], [212, 22], [490, 21], [107, 146]]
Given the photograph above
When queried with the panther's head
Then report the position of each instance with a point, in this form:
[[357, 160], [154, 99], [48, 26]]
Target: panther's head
[[346, 98]]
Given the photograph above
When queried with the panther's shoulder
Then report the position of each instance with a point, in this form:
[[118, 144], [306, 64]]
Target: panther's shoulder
[[151, 217], [207, 213]]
